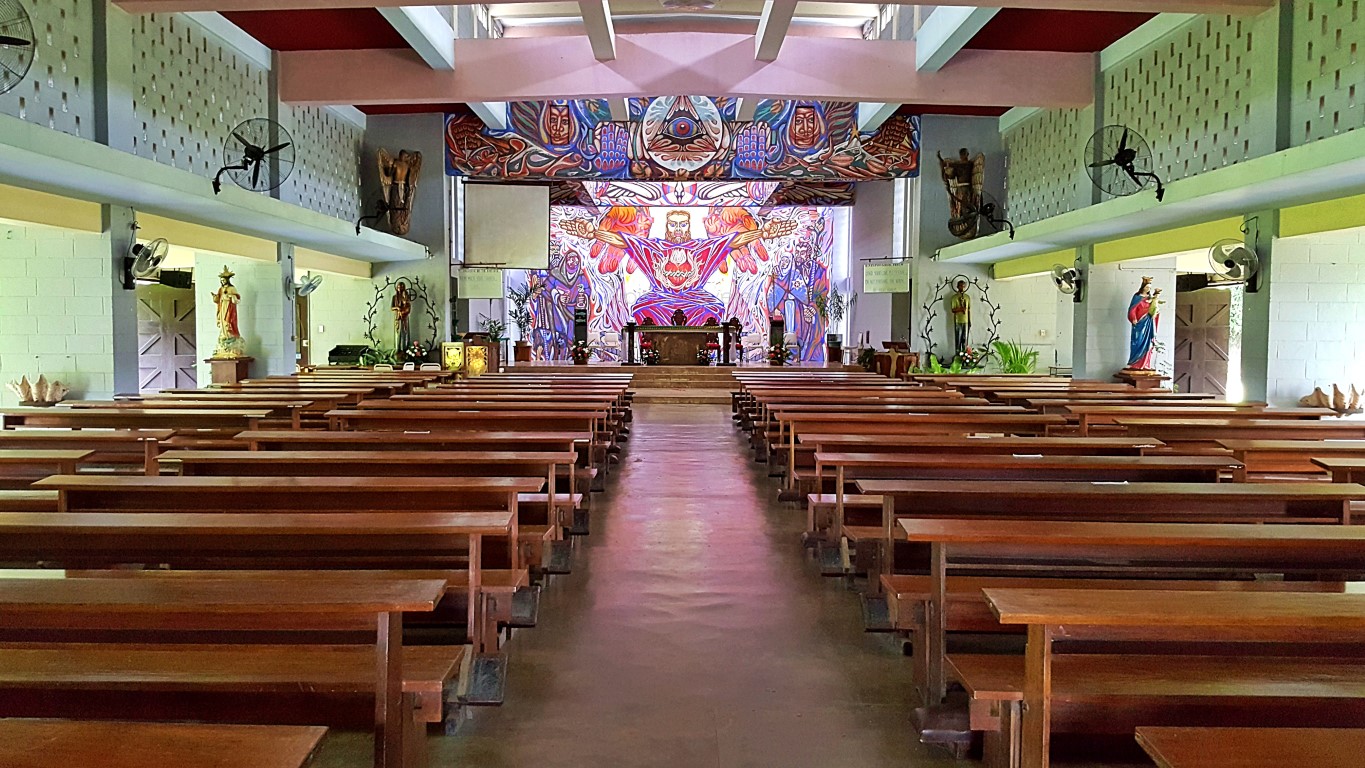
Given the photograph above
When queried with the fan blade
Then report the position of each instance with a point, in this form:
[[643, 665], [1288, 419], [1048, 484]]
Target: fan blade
[[255, 174], [277, 148], [18, 42], [1123, 143], [1103, 164], [238, 137]]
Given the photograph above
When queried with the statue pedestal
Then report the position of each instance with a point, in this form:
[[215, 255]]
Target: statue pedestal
[[1142, 379], [229, 370]]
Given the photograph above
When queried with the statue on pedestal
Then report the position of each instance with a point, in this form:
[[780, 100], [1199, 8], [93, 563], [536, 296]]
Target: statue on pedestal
[[226, 298], [401, 306], [1143, 313]]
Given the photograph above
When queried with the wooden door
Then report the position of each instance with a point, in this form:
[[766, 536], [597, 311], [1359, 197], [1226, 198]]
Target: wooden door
[[1202, 330], [166, 338], [301, 335]]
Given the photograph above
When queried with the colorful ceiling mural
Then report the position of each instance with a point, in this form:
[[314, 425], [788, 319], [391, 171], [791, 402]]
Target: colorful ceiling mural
[[694, 138], [770, 194]]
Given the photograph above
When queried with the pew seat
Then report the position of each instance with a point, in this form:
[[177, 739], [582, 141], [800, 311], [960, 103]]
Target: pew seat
[[287, 683], [28, 501], [35, 743], [821, 507], [1253, 747]]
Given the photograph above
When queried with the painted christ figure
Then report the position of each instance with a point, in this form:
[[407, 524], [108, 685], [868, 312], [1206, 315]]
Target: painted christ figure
[[678, 265]]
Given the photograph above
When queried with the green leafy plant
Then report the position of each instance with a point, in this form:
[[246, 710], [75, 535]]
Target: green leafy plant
[[1015, 357], [935, 367], [521, 307], [496, 329], [832, 306], [867, 358], [380, 355]]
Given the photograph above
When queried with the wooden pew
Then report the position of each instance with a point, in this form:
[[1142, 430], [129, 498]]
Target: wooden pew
[[1052, 676], [1289, 457], [1253, 747], [289, 410], [1194, 433], [35, 743], [1343, 470], [133, 418], [56, 607], [21, 467], [121, 449], [1090, 415]]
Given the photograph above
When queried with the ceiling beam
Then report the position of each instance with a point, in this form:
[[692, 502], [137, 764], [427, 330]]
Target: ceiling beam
[[597, 23], [492, 113], [871, 115], [1236, 7], [946, 32], [529, 69], [773, 24], [427, 31]]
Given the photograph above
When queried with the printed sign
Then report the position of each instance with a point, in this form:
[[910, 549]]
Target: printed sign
[[886, 278]]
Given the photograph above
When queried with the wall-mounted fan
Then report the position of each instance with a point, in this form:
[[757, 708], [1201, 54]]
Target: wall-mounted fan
[[1120, 162], [264, 151], [992, 213], [1231, 261], [1069, 281], [17, 44], [307, 285], [143, 262]]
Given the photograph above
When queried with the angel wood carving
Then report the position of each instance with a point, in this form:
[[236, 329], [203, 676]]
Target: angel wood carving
[[965, 178], [398, 177]]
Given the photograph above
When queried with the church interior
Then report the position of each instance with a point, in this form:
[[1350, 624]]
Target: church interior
[[682, 383]]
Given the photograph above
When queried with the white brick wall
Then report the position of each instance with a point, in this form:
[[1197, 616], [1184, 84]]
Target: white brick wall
[[260, 315], [1317, 291], [56, 310], [1034, 313], [337, 313], [1108, 294]]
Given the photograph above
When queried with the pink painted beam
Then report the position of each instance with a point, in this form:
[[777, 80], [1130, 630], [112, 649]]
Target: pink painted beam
[[1143, 6], [525, 69]]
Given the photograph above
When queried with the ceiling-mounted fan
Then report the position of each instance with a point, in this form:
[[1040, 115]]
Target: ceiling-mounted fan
[[17, 44], [1120, 162], [1069, 281], [266, 152]]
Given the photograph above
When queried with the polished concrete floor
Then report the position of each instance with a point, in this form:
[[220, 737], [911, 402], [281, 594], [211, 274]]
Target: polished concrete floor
[[692, 632]]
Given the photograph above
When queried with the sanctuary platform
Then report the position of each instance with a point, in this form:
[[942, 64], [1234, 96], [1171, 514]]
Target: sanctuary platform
[[666, 383]]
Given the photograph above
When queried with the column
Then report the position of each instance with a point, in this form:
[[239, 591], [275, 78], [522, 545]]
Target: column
[[288, 363], [118, 227], [1080, 319], [1255, 358]]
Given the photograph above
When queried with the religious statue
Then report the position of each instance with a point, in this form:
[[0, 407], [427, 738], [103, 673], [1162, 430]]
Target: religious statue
[[402, 308], [964, 177], [398, 181], [960, 306], [1143, 313], [226, 299]]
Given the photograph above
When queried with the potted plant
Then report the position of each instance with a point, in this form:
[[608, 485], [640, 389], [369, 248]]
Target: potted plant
[[580, 352], [703, 355], [867, 358], [520, 313], [379, 355], [778, 355], [1015, 357], [831, 307]]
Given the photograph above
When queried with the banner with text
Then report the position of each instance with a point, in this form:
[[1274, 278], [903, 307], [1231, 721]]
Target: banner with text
[[886, 278]]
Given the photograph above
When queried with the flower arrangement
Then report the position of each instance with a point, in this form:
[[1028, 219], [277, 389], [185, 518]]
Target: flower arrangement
[[971, 359], [648, 354], [580, 352], [703, 355], [416, 352], [778, 354]]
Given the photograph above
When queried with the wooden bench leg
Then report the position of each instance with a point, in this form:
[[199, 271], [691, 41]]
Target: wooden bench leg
[[1000, 747], [415, 739], [390, 720]]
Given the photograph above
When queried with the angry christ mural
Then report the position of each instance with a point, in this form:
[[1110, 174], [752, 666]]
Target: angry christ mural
[[682, 137], [644, 263]]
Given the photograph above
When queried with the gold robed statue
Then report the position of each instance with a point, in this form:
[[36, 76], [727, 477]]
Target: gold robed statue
[[226, 299], [965, 179]]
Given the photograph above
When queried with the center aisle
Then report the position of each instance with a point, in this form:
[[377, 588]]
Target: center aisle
[[693, 633]]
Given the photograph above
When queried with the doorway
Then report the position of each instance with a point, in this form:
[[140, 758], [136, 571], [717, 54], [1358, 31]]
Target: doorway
[[166, 351], [301, 331], [1204, 352]]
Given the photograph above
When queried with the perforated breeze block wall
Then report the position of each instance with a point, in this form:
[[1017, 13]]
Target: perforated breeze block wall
[[59, 90], [56, 314], [1109, 291], [260, 315], [1328, 72], [1043, 173], [1317, 311]]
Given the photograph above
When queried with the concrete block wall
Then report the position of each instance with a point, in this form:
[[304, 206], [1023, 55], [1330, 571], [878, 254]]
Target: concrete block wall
[[1317, 291], [260, 315], [336, 314], [1034, 313], [56, 310], [1108, 294]]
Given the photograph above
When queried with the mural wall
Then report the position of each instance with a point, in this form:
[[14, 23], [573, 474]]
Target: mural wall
[[636, 262], [682, 137]]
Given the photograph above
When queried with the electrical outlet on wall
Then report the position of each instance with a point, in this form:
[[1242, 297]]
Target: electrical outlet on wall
[[322, 328]]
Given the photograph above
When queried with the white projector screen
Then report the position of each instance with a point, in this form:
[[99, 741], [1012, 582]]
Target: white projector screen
[[507, 225]]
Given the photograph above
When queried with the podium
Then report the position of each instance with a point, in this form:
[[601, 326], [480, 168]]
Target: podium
[[229, 370]]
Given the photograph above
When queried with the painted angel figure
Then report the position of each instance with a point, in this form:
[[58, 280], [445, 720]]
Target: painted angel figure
[[965, 178]]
